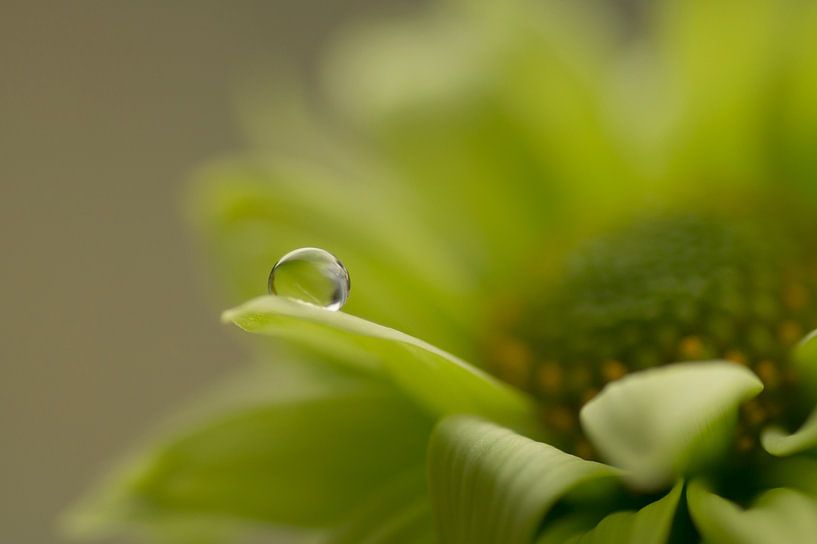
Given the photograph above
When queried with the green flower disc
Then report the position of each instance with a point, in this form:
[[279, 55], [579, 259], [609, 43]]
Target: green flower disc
[[663, 289]]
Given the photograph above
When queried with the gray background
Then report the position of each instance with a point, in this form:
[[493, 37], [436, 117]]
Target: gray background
[[105, 107]]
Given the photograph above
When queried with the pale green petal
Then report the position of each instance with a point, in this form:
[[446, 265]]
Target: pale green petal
[[310, 457], [650, 525], [490, 485], [662, 422], [779, 516], [438, 381], [205, 530], [779, 442], [566, 528], [804, 361]]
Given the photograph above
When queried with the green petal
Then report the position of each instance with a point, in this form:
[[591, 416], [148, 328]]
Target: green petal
[[203, 530], [317, 458], [566, 528], [402, 513], [650, 525], [804, 361], [779, 516], [493, 115], [661, 422], [796, 128], [438, 381], [777, 442], [490, 485], [718, 61]]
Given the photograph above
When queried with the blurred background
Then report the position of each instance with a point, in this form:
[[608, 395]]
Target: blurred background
[[105, 108]]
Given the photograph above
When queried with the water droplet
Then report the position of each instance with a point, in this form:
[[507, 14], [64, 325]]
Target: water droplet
[[313, 276]]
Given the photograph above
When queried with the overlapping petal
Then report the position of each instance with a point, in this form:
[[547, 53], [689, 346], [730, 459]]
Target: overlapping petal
[[778, 442], [650, 525], [778, 516], [490, 485], [662, 422], [804, 362]]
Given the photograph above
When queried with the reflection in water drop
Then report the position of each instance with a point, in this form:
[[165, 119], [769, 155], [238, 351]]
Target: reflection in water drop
[[313, 276]]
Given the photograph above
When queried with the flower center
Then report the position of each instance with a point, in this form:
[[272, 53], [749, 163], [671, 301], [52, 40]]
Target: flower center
[[663, 290]]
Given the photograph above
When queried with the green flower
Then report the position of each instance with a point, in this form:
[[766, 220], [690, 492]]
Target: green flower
[[615, 225]]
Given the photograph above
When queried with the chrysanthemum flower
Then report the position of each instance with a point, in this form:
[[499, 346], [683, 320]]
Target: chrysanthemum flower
[[614, 224]]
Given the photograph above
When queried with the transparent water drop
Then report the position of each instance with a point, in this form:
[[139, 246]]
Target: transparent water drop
[[311, 275]]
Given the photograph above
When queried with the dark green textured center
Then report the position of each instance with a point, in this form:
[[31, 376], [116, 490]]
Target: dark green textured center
[[662, 290]]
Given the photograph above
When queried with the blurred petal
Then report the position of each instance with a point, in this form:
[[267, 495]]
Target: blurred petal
[[779, 516], [777, 442], [438, 381], [307, 457], [650, 525], [490, 485], [208, 530], [719, 80], [400, 513], [804, 362], [496, 112], [795, 133], [661, 422], [567, 528]]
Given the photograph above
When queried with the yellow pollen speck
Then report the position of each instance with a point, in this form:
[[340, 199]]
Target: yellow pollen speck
[[514, 360], [691, 347], [789, 332], [745, 443], [754, 412], [560, 418], [795, 297], [580, 378], [767, 372], [549, 377], [736, 357], [612, 370], [506, 310]]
